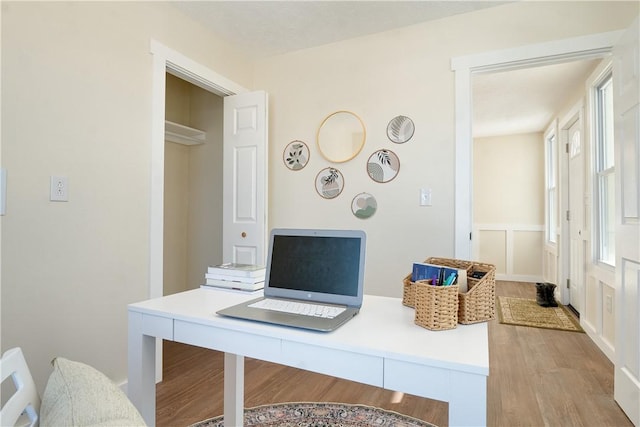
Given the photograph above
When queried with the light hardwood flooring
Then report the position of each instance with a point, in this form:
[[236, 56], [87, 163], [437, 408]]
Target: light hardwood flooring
[[538, 377]]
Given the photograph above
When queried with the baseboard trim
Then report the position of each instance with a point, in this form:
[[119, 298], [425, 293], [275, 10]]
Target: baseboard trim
[[607, 348]]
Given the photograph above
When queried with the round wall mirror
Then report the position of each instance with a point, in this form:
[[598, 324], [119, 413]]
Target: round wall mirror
[[341, 136]]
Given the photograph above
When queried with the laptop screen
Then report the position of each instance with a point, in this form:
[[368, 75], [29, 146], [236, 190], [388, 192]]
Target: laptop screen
[[318, 265]]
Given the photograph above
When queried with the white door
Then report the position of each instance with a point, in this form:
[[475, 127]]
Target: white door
[[245, 178], [576, 215], [627, 169]]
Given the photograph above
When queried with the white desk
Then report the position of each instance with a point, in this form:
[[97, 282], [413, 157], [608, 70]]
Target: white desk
[[381, 346]]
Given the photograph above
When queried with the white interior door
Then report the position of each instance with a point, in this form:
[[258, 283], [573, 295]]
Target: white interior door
[[627, 169], [245, 178], [576, 215]]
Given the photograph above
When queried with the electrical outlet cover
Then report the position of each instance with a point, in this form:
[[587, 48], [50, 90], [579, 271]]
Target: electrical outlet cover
[[59, 189]]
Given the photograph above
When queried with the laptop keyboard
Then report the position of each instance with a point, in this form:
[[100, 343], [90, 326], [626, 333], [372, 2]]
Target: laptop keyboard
[[305, 309]]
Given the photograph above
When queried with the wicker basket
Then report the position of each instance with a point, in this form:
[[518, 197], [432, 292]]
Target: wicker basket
[[408, 292], [436, 306], [478, 304]]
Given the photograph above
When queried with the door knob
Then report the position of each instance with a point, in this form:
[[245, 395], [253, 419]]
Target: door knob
[[243, 234]]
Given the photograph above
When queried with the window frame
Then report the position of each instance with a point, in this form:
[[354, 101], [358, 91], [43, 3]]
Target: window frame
[[551, 186], [603, 171]]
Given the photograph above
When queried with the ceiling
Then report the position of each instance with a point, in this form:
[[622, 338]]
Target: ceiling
[[265, 28], [525, 101], [511, 102]]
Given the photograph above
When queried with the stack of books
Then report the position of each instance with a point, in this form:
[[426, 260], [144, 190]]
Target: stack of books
[[244, 277]]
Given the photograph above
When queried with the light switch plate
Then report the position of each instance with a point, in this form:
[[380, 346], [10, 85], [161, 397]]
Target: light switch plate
[[425, 197]]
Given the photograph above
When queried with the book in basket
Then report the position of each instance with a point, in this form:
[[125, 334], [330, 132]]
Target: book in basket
[[425, 271], [239, 270]]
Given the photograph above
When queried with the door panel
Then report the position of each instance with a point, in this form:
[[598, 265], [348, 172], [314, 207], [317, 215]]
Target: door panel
[[577, 218], [626, 106], [245, 178]]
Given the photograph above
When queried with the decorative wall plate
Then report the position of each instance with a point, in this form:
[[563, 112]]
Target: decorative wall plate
[[400, 129], [364, 205], [329, 183], [383, 165], [296, 155]]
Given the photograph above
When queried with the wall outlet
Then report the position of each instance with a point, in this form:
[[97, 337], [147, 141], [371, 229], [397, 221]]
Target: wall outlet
[[59, 189]]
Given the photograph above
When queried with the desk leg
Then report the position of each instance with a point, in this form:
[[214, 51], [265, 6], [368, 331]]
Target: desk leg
[[468, 404], [141, 386], [233, 390]]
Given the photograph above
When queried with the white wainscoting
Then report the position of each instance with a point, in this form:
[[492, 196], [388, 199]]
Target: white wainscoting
[[550, 263], [598, 316], [515, 249]]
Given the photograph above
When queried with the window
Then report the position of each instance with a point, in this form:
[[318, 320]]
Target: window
[[551, 183], [604, 171]]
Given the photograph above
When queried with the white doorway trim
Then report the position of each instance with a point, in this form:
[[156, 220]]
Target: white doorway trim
[[575, 114], [168, 60], [578, 48]]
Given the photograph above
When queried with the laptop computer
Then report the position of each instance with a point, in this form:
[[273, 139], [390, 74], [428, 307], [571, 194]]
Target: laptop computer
[[309, 266]]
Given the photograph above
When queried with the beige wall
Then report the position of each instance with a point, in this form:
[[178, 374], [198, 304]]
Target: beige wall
[[176, 190], [205, 187], [176, 215], [508, 179], [76, 101], [508, 204], [406, 71]]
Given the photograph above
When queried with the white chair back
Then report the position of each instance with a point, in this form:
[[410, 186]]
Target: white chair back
[[25, 400]]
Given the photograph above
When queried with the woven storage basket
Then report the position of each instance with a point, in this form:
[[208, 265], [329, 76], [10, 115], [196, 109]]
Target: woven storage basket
[[478, 304], [436, 306], [408, 292]]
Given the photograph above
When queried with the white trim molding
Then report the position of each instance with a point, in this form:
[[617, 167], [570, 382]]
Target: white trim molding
[[167, 60]]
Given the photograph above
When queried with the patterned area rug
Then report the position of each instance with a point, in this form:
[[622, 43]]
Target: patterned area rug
[[525, 312], [319, 415]]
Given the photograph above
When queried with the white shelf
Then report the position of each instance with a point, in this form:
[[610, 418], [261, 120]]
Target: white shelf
[[181, 134]]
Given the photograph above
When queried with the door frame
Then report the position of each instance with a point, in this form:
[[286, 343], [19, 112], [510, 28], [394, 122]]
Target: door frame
[[167, 60], [575, 114], [554, 52]]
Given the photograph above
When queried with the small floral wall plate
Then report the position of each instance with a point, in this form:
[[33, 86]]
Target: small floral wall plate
[[296, 155], [383, 165], [400, 129], [364, 205], [329, 183]]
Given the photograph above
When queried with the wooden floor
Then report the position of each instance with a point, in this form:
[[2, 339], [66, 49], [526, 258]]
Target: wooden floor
[[538, 377]]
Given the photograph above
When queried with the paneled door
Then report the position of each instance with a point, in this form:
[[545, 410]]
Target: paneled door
[[627, 166], [244, 233], [576, 214]]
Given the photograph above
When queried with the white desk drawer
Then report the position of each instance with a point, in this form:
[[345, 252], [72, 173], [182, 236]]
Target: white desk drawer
[[338, 363], [156, 326], [228, 341], [425, 381]]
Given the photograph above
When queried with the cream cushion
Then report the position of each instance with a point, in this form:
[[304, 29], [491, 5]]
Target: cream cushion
[[79, 395]]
